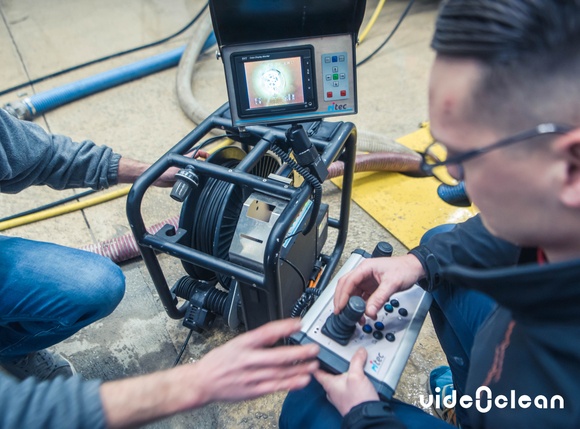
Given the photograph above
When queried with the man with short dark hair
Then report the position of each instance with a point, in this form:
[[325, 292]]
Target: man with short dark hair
[[505, 111]]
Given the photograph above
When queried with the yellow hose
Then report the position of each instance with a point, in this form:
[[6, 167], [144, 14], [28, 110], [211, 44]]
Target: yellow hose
[[372, 21], [57, 211]]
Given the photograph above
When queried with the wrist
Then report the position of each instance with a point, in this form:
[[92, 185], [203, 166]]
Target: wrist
[[194, 390], [129, 170], [415, 266], [431, 278]]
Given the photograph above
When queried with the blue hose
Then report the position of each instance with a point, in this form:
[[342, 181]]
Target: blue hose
[[454, 195], [44, 101]]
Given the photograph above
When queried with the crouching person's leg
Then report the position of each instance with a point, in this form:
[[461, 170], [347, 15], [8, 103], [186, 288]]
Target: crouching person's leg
[[49, 293]]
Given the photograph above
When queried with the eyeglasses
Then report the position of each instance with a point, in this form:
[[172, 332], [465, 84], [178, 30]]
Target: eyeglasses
[[447, 166]]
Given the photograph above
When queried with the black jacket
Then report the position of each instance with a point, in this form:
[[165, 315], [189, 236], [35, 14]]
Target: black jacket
[[529, 348]]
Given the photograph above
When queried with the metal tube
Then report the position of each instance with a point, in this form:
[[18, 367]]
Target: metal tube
[[207, 261]]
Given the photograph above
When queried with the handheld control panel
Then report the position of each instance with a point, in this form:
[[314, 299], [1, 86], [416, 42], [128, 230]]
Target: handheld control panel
[[389, 339]]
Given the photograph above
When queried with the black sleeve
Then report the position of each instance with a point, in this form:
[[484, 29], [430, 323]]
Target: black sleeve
[[469, 244], [371, 415]]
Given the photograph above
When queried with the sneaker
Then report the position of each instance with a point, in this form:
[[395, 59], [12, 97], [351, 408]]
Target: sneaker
[[42, 364], [440, 378]]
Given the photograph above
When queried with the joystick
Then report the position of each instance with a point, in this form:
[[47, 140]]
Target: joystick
[[341, 326]]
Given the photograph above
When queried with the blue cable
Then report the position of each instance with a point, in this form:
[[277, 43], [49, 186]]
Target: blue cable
[[42, 102]]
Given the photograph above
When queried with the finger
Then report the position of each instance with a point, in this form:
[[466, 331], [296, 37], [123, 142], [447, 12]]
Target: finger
[[363, 320], [347, 286], [271, 386], [281, 356], [202, 154], [278, 373], [342, 293], [270, 333], [198, 154], [287, 355], [354, 283], [378, 298], [324, 378]]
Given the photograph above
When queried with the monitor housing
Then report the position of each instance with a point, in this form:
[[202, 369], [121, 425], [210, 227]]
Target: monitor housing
[[288, 62]]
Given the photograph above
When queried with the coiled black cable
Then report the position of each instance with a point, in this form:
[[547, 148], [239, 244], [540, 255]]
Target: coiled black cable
[[304, 302], [310, 178], [208, 213]]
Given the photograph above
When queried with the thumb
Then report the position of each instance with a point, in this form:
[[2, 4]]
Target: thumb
[[357, 363]]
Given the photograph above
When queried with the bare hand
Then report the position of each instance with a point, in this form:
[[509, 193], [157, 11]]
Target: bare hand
[[375, 280], [167, 179], [347, 390], [130, 169], [247, 367], [243, 368]]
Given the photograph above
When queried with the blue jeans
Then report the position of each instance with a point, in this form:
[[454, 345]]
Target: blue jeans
[[49, 292], [457, 315]]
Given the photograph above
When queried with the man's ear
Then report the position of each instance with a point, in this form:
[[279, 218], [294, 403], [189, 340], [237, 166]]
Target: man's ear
[[568, 147]]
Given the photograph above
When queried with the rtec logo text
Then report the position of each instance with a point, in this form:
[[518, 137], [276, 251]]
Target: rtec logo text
[[334, 107], [377, 362]]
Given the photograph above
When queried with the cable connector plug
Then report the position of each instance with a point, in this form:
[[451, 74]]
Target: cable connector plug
[[305, 152]]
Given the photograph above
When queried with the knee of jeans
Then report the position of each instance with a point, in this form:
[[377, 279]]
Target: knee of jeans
[[104, 290]]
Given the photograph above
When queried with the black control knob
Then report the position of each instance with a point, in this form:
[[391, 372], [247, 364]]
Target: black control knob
[[341, 326], [382, 249], [185, 181]]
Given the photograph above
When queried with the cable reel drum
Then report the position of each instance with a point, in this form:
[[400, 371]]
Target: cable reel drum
[[210, 215]]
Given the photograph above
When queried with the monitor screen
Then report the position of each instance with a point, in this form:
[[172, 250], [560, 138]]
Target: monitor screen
[[275, 82]]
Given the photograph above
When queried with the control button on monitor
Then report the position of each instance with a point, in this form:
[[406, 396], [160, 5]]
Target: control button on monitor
[[377, 335], [334, 59], [329, 94], [341, 58], [343, 93]]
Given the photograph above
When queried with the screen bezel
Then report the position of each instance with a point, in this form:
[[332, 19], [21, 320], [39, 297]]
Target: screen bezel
[[306, 55]]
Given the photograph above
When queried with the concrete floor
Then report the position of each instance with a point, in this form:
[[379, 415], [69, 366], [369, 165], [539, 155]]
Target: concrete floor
[[143, 120]]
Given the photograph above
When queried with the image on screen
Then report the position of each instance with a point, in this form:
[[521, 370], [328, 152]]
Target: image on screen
[[276, 82]]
